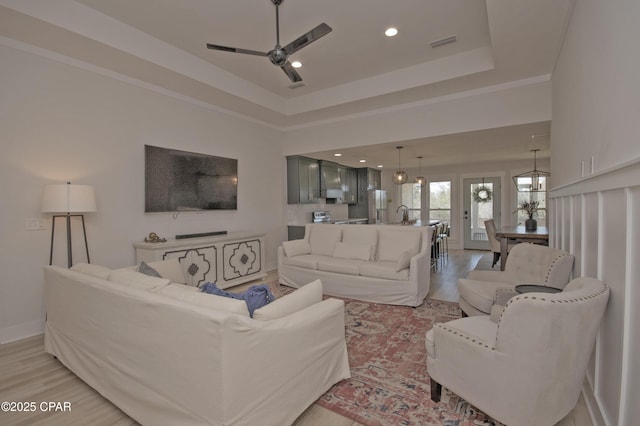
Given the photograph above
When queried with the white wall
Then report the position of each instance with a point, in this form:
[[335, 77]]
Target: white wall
[[596, 88], [60, 122]]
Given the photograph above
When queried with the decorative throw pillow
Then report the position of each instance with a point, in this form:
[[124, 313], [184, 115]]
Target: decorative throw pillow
[[138, 280], [255, 296], [170, 269], [352, 251], [296, 248], [307, 295], [148, 270], [403, 261]]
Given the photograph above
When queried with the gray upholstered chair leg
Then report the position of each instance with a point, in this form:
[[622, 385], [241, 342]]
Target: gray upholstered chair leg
[[436, 391]]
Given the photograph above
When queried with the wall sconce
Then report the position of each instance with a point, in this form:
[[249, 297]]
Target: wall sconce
[[72, 200]]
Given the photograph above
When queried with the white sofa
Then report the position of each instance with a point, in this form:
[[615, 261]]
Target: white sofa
[[169, 355], [375, 263]]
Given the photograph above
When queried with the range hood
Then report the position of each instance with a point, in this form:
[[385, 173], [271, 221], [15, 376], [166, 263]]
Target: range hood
[[330, 186]]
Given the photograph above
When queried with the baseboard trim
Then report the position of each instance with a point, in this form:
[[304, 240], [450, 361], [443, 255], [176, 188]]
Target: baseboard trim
[[592, 404], [21, 331]]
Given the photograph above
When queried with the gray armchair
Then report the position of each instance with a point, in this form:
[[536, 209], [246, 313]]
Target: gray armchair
[[527, 264], [529, 367]]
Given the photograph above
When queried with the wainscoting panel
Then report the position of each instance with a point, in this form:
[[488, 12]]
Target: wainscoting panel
[[597, 220]]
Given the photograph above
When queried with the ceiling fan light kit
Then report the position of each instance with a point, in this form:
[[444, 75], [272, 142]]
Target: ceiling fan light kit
[[279, 55]]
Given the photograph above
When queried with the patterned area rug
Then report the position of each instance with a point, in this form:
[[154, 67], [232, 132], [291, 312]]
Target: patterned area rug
[[389, 384]]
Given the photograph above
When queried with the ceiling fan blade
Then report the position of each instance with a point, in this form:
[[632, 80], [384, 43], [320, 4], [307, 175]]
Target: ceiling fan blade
[[311, 36], [291, 72], [235, 50]]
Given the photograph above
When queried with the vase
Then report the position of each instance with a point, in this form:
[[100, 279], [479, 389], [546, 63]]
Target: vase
[[530, 225]]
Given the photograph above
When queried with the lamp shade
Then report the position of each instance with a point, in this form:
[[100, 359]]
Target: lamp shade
[[68, 198]]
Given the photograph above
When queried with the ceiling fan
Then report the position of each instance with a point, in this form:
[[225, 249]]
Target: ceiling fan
[[280, 55]]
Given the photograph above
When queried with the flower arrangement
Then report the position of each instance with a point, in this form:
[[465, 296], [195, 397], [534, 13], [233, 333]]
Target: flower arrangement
[[529, 207]]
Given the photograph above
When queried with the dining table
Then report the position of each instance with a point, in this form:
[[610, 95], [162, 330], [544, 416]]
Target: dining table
[[519, 234]]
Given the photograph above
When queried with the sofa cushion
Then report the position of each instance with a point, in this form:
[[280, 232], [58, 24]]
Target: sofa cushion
[[192, 294], [356, 251], [296, 248], [93, 270], [362, 235], [135, 279], [480, 294], [340, 266], [392, 242], [324, 239], [403, 261], [170, 269], [307, 261], [385, 270], [307, 295]]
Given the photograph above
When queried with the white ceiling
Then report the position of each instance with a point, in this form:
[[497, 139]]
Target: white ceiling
[[354, 69]]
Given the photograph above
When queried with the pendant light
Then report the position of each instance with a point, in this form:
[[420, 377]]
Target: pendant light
[[532, 183], [399, 176], [420, 179]]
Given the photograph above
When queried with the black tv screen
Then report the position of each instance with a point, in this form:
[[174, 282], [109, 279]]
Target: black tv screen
[[182, 181]]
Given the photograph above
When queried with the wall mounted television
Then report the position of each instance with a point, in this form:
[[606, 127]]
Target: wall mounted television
[[187, 181]]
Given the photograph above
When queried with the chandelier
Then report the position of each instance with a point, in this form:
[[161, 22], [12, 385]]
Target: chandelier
[[399, 176], [420, 179], [532, 181]]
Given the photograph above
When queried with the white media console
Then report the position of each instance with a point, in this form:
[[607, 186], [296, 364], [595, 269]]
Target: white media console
[[226, 260]]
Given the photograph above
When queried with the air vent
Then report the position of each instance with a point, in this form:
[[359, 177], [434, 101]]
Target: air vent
[[296, 85], [443, 41]]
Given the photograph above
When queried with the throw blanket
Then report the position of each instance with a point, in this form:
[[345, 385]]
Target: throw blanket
[[255, 296]]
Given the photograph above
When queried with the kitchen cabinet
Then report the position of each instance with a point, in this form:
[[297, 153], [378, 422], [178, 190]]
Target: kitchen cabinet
[[350, 186], [374, 179], [303, 180]]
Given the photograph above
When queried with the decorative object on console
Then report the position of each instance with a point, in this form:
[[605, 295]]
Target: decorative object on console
[[399, 176], [420, 179], [534, 183], [177, 181], [154, 238], [72, 201]]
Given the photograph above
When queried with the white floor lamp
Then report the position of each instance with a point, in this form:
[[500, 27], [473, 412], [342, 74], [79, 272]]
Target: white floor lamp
[[72, 201]]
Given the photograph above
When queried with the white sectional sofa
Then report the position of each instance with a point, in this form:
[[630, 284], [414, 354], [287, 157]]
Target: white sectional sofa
[[167, 354], [375, 263]]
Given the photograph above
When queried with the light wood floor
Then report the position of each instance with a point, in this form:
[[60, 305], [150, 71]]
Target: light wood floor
[[27, 373]]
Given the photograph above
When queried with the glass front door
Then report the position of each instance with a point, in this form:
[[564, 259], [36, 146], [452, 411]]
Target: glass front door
[[481, 202]]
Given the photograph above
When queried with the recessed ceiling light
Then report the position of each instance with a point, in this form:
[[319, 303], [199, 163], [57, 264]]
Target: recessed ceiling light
[[380, 166], [363, 161], [390, 32], [296, 64], [337, 154]]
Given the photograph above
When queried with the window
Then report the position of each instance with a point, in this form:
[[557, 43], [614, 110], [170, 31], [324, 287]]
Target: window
[[411, 199], [540, 196], [440, 201]]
